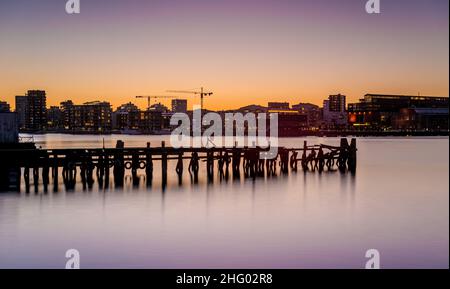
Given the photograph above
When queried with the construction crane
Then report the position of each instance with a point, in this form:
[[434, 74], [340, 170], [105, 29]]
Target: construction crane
[[202, 94], [150, 97]]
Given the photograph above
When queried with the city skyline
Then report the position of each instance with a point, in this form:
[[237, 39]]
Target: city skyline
[[376, 112], [168, 101], [250, 51]]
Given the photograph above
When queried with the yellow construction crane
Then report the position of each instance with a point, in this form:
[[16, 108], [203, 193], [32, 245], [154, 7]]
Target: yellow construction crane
[[202, 94], [150, 97]]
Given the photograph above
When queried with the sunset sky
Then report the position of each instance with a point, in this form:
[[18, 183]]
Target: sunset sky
[[245, 51]]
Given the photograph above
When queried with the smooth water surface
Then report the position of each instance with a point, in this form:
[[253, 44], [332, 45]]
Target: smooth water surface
[[397, 203]]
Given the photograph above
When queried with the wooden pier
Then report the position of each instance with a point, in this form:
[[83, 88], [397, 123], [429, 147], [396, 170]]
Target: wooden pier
[[43, 165]]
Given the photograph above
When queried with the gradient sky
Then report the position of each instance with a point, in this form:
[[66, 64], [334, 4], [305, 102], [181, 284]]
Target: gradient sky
[[245, 51]]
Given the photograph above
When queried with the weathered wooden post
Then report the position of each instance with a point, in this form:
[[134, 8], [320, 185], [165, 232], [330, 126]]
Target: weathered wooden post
[[119, 168], [246, 162], [194, 166], [304, 157], [69, 171], [179, 168], [107, 164], [293, 161], [210, 165], [148, 165], [100, 171], [65, 169], [284, 160], [55, 173], [320, 157], [164, 163], [220, 164], [352, 156], [100, 166], [254, 156], [45, 171], [26, 177], [261, 161], [236, 161], [36, 177], [134, 168], [268, 167], [73, 176], [343, 155], [89, 170], [227, 160]]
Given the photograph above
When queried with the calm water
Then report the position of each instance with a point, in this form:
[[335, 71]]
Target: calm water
[[398, 203]]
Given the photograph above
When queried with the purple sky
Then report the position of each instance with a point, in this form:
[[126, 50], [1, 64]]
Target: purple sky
[[246, 51]]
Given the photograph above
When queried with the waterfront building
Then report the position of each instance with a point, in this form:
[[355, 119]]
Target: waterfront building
[[55, 119], [126, 117], [312, 111], [67, 110], [94, 116], [291, 122], [334, 112], [151, 121], [4, 107], [384, 111], [428, 119], [179, 105], [9, 129], [21, 109], [32, 111], [36, 111]]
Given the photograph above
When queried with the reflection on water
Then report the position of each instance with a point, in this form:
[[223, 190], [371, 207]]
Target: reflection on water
[[397, 203]]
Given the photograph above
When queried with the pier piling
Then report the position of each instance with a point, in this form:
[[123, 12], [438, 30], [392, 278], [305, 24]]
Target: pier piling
[[119, 159]]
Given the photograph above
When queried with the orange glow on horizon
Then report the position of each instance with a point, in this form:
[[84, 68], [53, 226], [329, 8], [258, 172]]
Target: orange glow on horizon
[[245, 53]]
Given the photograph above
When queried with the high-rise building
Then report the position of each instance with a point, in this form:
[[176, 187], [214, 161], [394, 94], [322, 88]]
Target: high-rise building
[[334, 111], [35, 110], [67, 110], [92, 116], [337, 102], [179, 105], [21, 110]]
